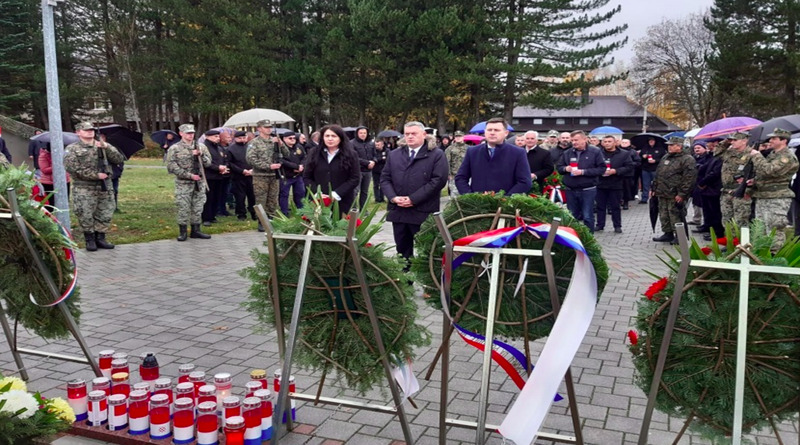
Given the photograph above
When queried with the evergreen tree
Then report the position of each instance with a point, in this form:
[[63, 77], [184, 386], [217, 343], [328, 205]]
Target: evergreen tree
[[16, 50]]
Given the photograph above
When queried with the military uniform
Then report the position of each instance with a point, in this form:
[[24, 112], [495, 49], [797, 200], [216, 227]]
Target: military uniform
[[733, 164], [455, 156], [92, 197], [190, 195], [261, 153], [771, 188], [675, 176]]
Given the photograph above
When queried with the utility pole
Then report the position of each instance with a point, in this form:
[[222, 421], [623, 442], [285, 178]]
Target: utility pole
[[54, 112]]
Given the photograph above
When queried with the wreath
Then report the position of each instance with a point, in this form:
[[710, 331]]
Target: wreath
[[20, 280], [472, 213], [700, 371], [335, 331]]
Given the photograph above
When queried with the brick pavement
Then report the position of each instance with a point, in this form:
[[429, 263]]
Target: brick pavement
[[181, 300]]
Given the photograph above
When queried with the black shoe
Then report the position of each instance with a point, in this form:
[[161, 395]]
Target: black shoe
[[617, 229], [260, 227], [224, 213], [91, 245], [707, 237], [206, 223], [598, 229], [701, 229], [183, 234], [101, 242], [196, 233], [673, 242], [253, 217], [242, 218], [625, 206], [213, 220], [642, 202], [665, 237]]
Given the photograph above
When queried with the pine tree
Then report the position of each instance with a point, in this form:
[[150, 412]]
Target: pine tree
[[16, 50]]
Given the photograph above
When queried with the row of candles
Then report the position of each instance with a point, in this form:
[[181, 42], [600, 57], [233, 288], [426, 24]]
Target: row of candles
[[153, 406]]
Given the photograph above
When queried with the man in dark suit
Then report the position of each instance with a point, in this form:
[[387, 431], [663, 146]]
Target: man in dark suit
[[412, 181], [494, 165], [538, 158]]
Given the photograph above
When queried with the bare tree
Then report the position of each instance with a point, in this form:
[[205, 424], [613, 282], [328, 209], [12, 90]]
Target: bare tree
[[672, 61]]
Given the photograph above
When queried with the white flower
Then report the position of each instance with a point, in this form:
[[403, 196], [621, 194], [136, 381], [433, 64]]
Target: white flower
[[17, 400]]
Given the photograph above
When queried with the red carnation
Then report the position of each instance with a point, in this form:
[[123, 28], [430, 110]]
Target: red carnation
[[633, 337], [724, 241], [655, 288], [326, 201], [706, 250], [358, 220]]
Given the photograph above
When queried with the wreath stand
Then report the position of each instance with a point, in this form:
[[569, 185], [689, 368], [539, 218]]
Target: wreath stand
[[286, 349], [494, 275], [10, 334], [745, 268]]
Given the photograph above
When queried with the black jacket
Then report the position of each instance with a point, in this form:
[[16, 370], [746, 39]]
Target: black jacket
[[319, 174], [366, 153], [296, 158], [637, 161], [541, 163], [557, 152], [590, 160], [421, 179], [709, 175], [656, 152], [219, 156], [380, 156], [619, 160], [237, 160]]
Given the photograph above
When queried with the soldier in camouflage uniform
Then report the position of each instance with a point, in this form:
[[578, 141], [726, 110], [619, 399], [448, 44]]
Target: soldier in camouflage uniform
[[183, 161], [551, 141], [266, 157], [734, 158], [455, 156], [673, 184], [88, 161], [771, 184]]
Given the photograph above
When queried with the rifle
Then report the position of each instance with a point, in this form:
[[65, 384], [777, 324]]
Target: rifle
[[276, 159], [747, 174], [201, 168], [102, 166]]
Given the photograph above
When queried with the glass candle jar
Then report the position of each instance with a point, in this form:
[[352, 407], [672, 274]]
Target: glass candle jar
[[251, 387], [266, 413], [234, 430], [185, 389], [207, 424], [141, 386], [148, 369], [207, 393], [138, 412], [77, 398], [183, 421], [160, 427], [198, 379], [104, 362], [98, 408], [164, 386], [120, 384], [120, 365], [184, 371], [224, 383], [231, 407], [102, 384], [292, 388], [260, 375], [251, 411], [117, 412]]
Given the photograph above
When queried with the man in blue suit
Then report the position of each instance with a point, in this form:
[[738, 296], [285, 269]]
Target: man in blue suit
[[494, 165]]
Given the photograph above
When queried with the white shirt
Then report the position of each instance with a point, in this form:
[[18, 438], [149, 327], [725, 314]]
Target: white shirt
[[331, 155]]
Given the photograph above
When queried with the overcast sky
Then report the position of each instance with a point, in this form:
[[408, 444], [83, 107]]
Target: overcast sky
[[640, 14]]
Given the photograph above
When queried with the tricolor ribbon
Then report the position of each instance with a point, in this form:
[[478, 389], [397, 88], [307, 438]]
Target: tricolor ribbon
[[522, 423], [70, 255]]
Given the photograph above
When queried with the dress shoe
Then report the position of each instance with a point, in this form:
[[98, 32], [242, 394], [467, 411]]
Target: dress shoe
[[617, 230], [669, 236], [701, 229], [242, 218], [625, 206], [598, 229]]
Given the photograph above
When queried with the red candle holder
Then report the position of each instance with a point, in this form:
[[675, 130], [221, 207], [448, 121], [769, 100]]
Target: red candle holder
[[104, 362], [207, 424], [138, 412], [78, 399], [117, 412], [234, 430], [183, 421], [98, 408], [160, 427]]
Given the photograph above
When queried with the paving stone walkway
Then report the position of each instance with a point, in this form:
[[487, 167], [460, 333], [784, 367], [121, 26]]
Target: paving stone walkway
[[182, 301]]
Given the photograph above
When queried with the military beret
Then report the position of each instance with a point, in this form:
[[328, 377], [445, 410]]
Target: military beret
[[85, 126], [552, 134], [458, 133], [266, 123], [211, 133], [674, 140], [186, 128], [240, 134], [288, 134], [780, 133], [738, 136]]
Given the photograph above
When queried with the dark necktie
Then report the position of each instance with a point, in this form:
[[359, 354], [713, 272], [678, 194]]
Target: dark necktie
[[491, 153], [411, 155]]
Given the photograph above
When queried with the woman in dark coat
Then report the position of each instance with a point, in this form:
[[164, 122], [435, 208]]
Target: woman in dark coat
[[333, 168]]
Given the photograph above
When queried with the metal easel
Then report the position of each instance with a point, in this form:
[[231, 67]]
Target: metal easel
[[481, 426], [286, 348], [72, 326], [745, 268]]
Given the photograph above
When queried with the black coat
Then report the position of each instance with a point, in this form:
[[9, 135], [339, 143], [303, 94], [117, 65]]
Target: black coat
[[541, 163], [421, 179], [657, 152], [333, 177], [219, 156], [296, 158], [619, 160], [709, 175], [557, 152], [637, 161], [380, 156], [366, 153], [590, 160], [237, 160]]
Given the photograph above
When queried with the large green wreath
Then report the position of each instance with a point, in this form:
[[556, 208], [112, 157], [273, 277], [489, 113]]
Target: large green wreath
[[19, 277], [700, 371], [472, 213], [335, 332]]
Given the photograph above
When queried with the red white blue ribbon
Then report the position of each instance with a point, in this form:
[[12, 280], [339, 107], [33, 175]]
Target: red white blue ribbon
[[523, 421], [69, 253]]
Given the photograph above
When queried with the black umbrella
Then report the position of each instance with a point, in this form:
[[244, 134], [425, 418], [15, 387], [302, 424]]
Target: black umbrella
[[789, 123], [127, 141], [69, 138], [389, 134], [653, 211], [160, 138], [640, 140]]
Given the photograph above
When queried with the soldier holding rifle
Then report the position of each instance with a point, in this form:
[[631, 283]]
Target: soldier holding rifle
[[186, 161], [92, 193], [266, 156]]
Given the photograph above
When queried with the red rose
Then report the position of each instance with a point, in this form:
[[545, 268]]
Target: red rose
[[655, 288], [706, 250], [633, 337], [326, 201], [724, 241]]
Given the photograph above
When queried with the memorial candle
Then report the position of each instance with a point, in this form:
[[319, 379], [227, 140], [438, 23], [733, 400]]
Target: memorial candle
[[120, 384], [148, 369], [117, 412], [260, 375], [120, 365], [138, 413], [183, 421], [251, 387], [251, 411], [198, 379], [98, 408], [207, 393], [231, 406], [207, 424], [77, 398], [224, 383], [104, 362], [185, 389], [160, 427], [184, 371], [234, 430], [266, 413]]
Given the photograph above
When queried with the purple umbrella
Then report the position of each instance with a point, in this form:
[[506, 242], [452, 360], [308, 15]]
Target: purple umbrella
[[725, 126]]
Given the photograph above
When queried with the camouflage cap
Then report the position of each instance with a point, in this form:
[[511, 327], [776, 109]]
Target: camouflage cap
[[266, 123], [780, 133], [738, 136], [674, 140], [552, 134], [186, 128], [85, 126], [458, 133]]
